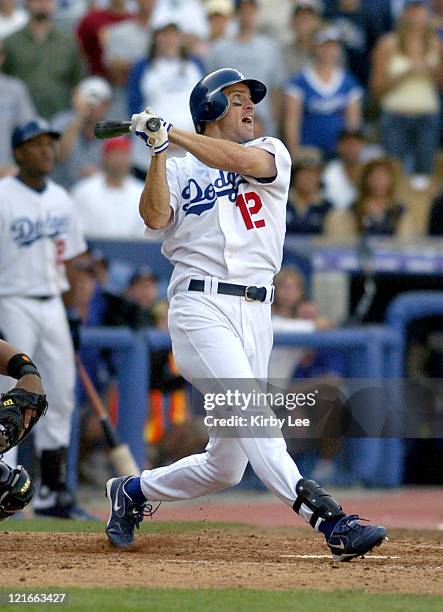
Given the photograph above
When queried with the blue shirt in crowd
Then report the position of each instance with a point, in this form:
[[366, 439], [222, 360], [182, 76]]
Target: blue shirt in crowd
[[324, 106]]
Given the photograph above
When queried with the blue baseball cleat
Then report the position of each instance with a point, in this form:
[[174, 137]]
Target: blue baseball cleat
[[125, 515], [349, 539]]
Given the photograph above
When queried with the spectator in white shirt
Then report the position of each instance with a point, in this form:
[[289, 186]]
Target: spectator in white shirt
[[107, 202], [341, 175], [163, 80]]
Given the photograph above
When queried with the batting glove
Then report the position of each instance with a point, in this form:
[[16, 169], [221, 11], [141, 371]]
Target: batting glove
[[158, 141]]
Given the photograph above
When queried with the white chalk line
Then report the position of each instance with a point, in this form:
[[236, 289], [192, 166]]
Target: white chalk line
[[329, 557]]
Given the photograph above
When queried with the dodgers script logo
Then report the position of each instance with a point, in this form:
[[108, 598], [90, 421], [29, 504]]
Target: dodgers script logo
[[26, 231], [199, 200]]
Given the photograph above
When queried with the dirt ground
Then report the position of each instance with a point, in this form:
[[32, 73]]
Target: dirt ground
[[411, 561]]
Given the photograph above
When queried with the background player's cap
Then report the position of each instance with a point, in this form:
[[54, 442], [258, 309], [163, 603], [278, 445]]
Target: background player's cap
[[32, 129]]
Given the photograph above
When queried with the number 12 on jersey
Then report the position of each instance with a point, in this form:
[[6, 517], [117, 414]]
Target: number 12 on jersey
[[250, 204]]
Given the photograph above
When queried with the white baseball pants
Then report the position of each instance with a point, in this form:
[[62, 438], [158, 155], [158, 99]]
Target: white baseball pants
[[40, 329], [221, 337]]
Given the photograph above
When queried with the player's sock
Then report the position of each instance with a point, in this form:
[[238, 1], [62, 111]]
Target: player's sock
[[327, 526], [134, 490]]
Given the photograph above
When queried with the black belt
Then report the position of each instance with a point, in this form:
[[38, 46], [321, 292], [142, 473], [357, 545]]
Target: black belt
[[250, 292]]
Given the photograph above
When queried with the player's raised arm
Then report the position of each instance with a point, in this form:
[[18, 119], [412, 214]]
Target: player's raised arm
[[154, 202], [225, 155]]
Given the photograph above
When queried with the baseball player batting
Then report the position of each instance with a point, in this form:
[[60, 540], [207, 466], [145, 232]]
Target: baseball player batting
[[39, 234], [220, 212], [20, 409]]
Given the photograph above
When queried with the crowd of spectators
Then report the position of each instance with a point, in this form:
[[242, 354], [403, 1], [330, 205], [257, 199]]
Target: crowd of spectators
[[349, 81], [355, 90]]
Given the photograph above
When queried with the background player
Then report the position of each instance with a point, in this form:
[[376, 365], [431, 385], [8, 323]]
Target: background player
[[221, 213], [20, 410], [38, 236]]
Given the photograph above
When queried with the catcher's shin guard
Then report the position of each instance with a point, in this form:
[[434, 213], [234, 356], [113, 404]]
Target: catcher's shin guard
[[16, 489], [314, 504]]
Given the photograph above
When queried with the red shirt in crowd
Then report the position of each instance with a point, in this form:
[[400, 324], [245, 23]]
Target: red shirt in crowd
[[88, 34]]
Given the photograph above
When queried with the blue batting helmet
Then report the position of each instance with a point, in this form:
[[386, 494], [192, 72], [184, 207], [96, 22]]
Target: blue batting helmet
[[31, 129], [209, 103]]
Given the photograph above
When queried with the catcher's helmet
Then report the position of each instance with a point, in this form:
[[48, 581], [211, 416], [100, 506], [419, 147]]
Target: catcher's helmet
[[209, 103]]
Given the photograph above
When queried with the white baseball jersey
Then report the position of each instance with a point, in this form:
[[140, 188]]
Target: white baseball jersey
[[39, 232], [230, 227], [226, 225]]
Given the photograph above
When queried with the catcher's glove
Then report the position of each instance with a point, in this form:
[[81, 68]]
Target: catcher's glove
[[12, 410]]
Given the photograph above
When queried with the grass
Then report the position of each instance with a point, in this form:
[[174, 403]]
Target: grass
[[232, 600]]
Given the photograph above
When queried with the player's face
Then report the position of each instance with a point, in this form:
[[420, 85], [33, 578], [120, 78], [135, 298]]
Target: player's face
[[37, 155], [238, 123]]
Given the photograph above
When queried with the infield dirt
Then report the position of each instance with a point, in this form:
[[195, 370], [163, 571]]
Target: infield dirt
[[411, 562]]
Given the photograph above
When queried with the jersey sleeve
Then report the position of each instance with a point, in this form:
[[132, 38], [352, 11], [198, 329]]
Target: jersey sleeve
[[172, 175], [282, 162]]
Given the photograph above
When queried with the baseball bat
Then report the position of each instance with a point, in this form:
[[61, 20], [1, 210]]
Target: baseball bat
[[112, 129], [119, 453]]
